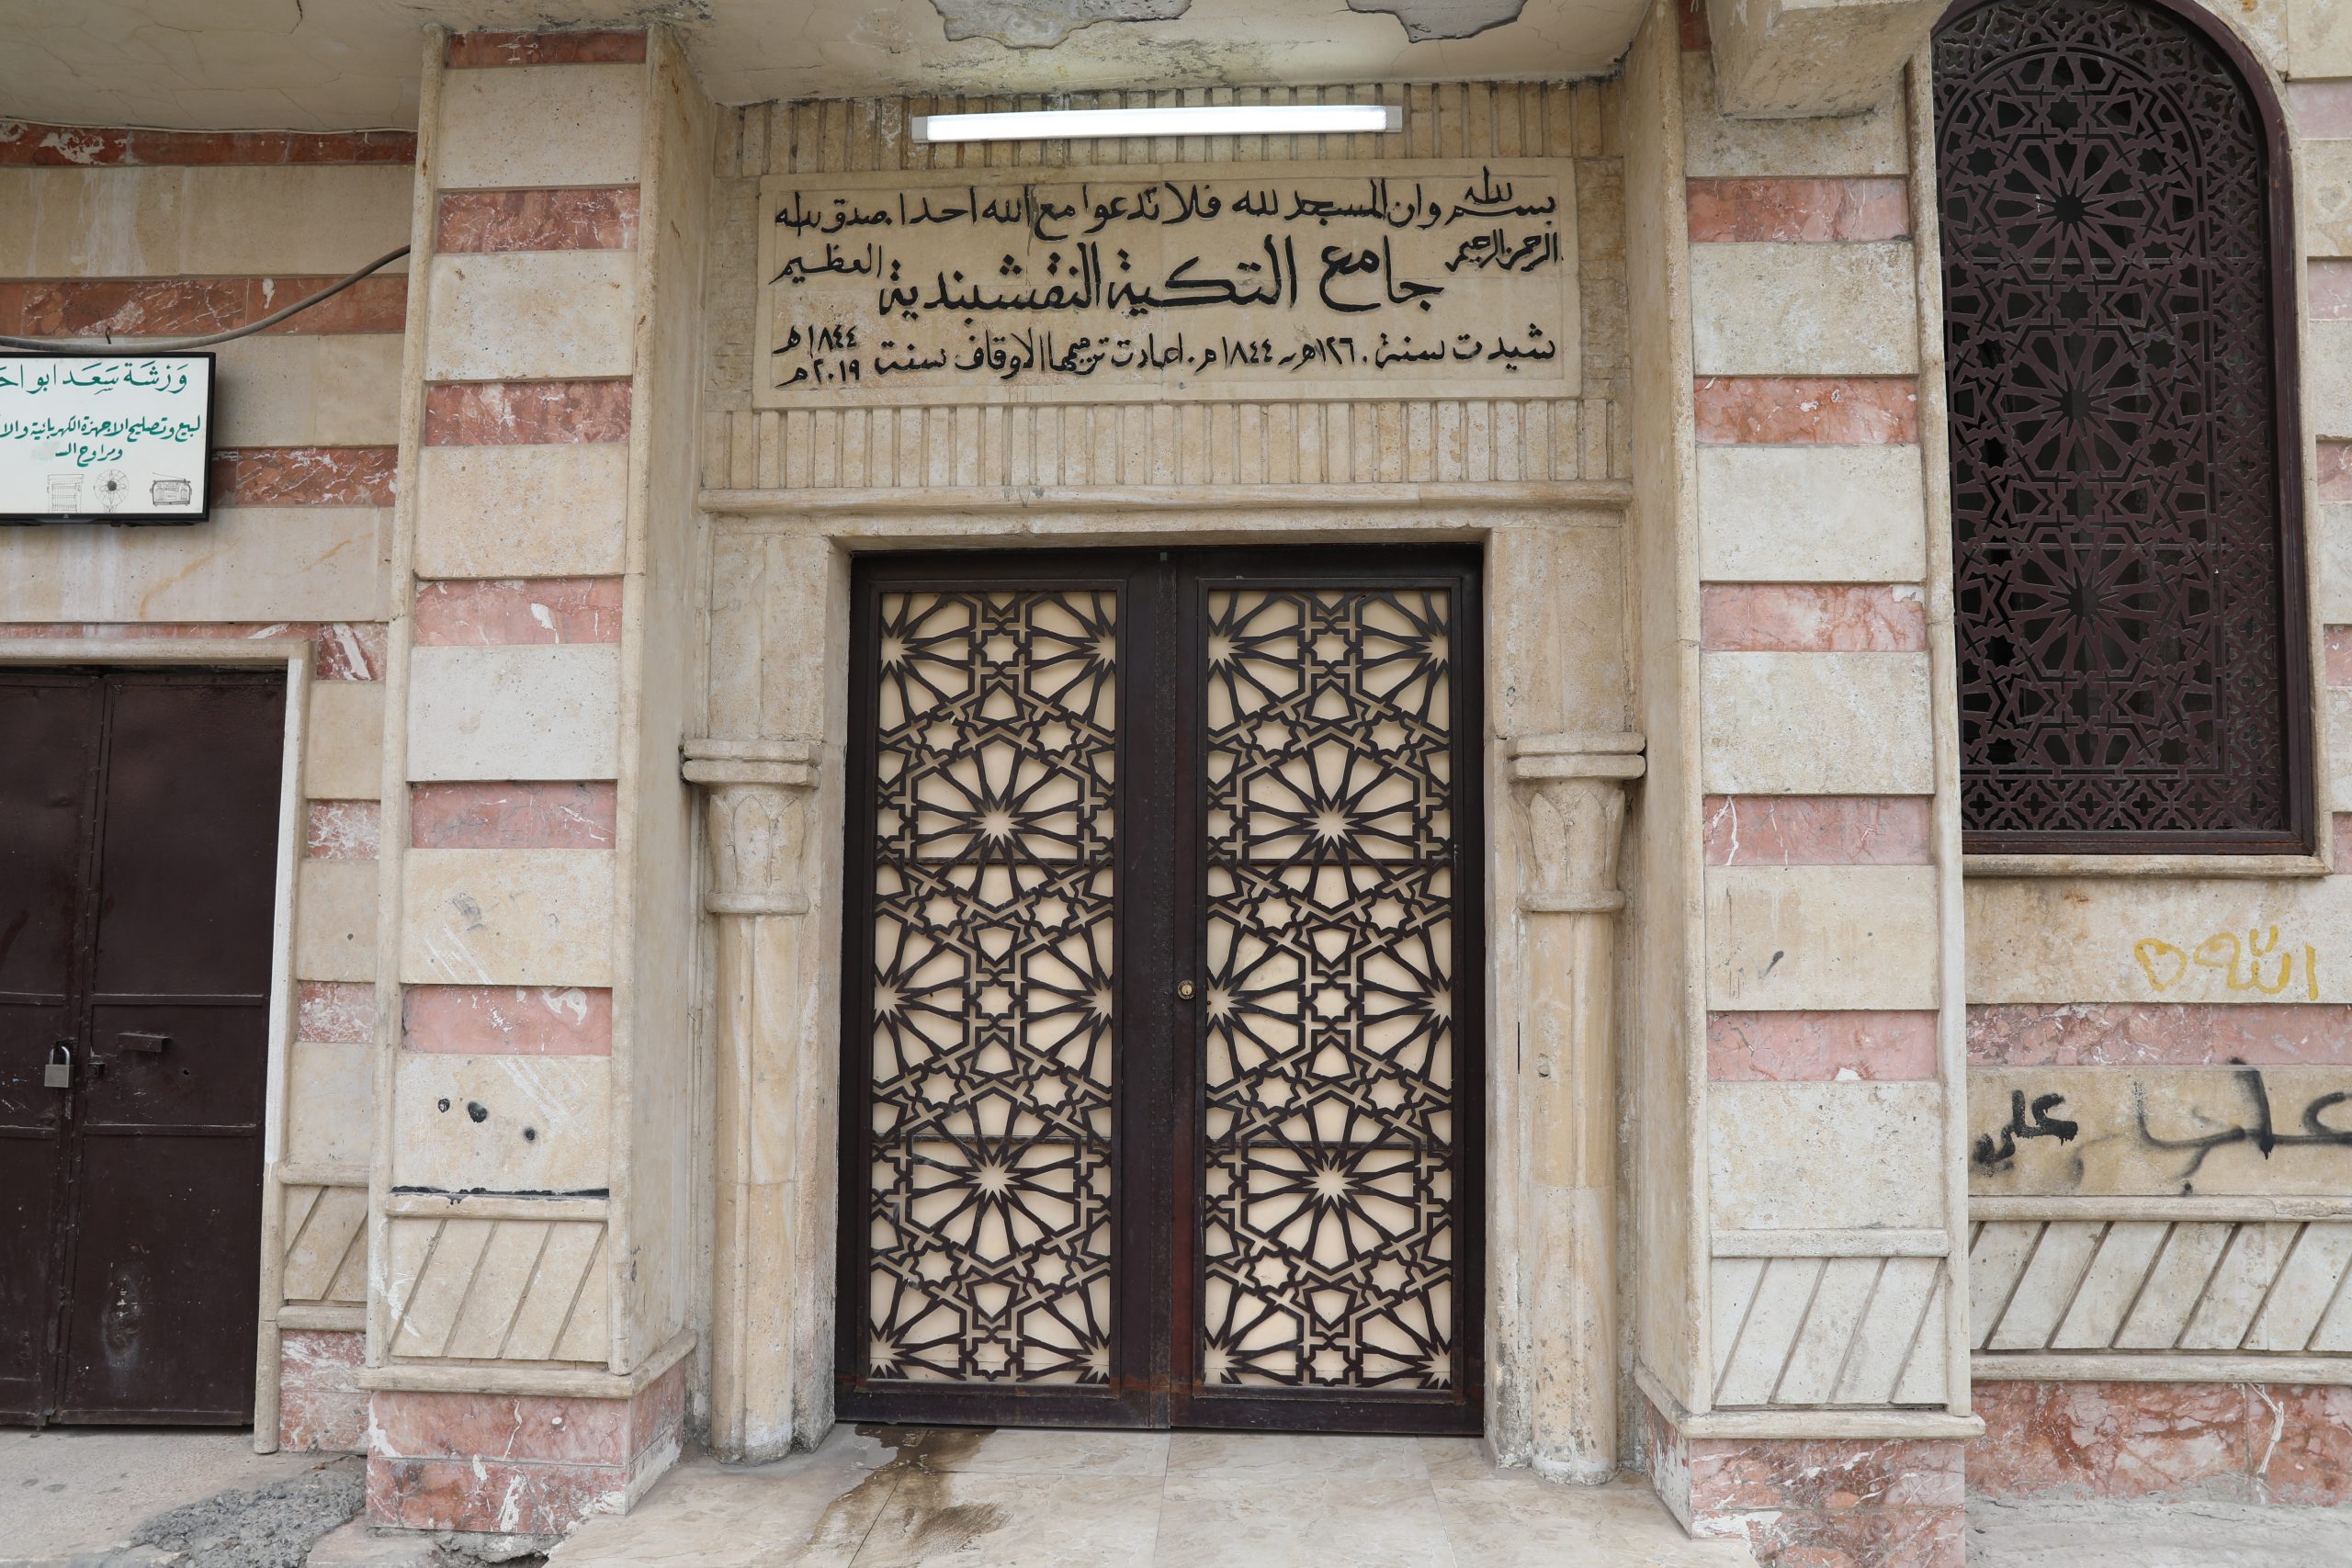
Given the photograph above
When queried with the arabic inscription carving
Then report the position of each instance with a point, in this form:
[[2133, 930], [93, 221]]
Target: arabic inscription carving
[[1310, 280]]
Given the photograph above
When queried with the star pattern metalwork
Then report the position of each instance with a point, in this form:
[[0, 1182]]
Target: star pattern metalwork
[[990, 1203], [1329, 1226], [2115, 492]]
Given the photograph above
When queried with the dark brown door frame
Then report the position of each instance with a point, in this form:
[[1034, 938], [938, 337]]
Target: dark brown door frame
[[1156, 1090]]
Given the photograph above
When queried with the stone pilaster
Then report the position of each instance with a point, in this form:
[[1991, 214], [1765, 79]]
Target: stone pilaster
[[1569, 792], [756, 808]]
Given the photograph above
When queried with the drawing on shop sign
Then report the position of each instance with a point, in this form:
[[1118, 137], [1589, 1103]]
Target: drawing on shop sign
[[1313, 276], [2240, 963], [2259, 1128]]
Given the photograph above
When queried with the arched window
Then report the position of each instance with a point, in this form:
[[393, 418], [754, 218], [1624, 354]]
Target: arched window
[[2126, 500]]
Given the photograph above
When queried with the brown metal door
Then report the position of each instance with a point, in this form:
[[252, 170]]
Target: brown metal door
[[145, 823], [1161, 1008]]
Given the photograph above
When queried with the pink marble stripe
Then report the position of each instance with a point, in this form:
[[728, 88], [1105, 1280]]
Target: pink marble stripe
[[2151, 1034], [2331, 290], [341, 830], [540, 815], [1811, 617], [304, 476], [1690, 16], [589, 219], [25, 144], [2245, 1442], [1724, 210], [341, 650], [506, 1021], [1807, 410], [155, 307], [341, 1013], [2336, 470], [526, 414], [504, 611], [1817, 829], [610, 47], [320, 1406], [1814, 1047], [2342, 863], [2338, 643], [2322, 110]]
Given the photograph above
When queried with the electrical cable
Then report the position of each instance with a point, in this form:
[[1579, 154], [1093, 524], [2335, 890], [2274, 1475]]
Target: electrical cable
[[173, 346]]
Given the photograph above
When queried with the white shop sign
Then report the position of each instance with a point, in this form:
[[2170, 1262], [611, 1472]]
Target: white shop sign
[[104, 437]]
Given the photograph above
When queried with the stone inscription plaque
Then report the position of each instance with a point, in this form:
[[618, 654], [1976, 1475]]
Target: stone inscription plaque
[[1307, 280]]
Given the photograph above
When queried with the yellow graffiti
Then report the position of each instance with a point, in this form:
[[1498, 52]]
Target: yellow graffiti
[[2239, 963]]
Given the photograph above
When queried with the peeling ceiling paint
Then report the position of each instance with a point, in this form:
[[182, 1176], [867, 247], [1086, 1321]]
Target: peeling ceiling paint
[[348, 64], [1042, 24], [1425, 20]]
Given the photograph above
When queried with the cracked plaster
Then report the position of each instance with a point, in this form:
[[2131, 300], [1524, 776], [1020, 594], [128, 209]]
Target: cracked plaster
[[1426, 19], [1042, 24]]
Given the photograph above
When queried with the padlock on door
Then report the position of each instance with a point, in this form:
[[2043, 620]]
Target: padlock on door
[[58, 1072]]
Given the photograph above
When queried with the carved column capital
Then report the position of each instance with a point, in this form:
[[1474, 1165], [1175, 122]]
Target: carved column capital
[[1571, 795], [755, 810]]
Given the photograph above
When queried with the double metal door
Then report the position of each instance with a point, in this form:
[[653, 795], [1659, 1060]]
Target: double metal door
[[1161, 1020], [139, 826]]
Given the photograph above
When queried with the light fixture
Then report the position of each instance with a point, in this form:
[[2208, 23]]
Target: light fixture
[[1205, 119]]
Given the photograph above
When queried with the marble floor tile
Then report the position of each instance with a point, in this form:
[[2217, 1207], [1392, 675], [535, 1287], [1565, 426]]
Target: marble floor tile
[[1014, 1521], [1514, 1520], [1046, 1451], [802, 1512], [1299, 1523], [1457, 1459], [1288, 1456]]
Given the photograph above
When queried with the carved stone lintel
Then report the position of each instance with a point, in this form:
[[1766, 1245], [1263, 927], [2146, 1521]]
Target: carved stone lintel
[[755, 810]]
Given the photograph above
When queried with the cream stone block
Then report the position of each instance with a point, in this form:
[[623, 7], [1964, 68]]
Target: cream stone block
[[328, 1097], [2335, 565], [532, 315], [548, 711], [276, 389], [1825, 1156], [1869, 144], [2319, 37], [247, 563], [1812, 514], [559, 510], [507, 917], [2171, 939], [1821, 937], [542, 124], [203, 220], [2152, 1132], [343, 741], [502, 1124], [1804, 310], [334, 920], [1815, 724], [2339, 749], [2326, 197], [2327, 378]]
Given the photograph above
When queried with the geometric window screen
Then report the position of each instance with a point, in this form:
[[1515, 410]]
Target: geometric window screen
[[2125, 505]]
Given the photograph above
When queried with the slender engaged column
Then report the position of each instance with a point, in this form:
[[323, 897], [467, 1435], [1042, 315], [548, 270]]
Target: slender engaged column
[[1570, 792], [755, 812]]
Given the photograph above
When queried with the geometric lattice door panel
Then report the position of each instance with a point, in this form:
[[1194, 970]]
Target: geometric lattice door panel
[[1160, 1029]]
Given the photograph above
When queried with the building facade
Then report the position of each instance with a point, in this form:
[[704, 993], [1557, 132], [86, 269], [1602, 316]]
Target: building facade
[[1648, 766]]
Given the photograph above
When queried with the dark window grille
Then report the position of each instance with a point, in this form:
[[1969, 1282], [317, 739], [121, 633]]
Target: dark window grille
[[2132, 663]]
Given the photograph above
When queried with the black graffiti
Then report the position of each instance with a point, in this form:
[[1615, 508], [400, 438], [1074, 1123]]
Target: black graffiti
[[1999, 1151], [2259, 1128]]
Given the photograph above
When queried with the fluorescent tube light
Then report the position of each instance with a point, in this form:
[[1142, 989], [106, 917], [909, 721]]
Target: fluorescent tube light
[[1207, 119]]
